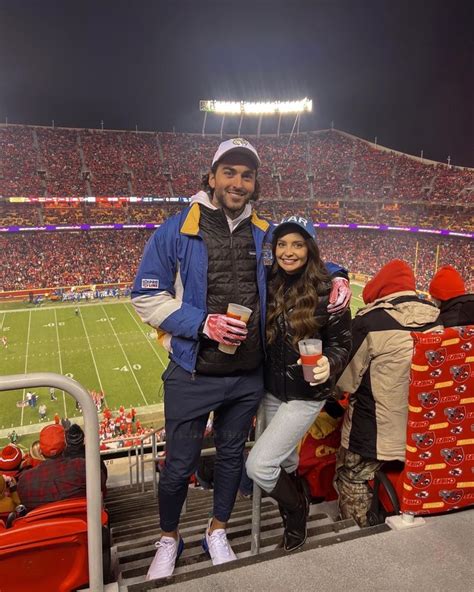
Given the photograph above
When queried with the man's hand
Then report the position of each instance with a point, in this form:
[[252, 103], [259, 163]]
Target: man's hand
[[224, 329], [340, 295]]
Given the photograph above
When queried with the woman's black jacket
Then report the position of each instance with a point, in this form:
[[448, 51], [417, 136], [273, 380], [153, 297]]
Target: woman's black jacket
[[284, 377]]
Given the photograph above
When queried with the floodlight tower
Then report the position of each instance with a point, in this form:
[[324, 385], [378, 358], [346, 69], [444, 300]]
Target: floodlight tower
[[258, 108]]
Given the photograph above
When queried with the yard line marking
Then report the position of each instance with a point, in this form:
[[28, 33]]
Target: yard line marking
[[3, 320], [126, 357], [146, 337], [93, 359], [60, 361], [26, 364]]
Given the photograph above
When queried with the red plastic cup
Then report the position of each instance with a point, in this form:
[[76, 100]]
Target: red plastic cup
[[311, 350]]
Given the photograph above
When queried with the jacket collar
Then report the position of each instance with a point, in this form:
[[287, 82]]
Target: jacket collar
[[190, 224], [447, 304]]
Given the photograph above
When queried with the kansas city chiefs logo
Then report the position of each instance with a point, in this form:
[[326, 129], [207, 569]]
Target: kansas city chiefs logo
[[436, 357]]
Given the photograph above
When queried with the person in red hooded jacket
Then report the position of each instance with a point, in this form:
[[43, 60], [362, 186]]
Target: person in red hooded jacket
[[376, 377], [448, 292]]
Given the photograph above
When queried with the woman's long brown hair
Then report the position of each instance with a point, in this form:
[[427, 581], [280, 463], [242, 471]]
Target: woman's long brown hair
[[301, 297]]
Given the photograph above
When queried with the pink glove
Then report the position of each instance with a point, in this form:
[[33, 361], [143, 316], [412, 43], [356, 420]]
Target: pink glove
[[224, 329], [340, 295]]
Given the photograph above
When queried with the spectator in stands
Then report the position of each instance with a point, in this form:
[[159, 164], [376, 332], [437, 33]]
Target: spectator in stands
[[75, 448], [377, 380], [298, 296], [233, 184], [9, 499], [55, 479], [10, 460], [456, 306], [34, 457]]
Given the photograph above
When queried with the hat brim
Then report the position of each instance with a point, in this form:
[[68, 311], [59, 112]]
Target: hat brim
[[291, 226]]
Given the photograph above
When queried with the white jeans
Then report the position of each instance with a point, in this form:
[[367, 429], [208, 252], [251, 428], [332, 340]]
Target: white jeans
[[286, 423]]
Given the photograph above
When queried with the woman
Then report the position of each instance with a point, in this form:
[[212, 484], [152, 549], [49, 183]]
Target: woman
[[298, 295]]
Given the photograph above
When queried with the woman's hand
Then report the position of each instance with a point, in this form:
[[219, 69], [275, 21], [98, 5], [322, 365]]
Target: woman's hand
[[321, 371]]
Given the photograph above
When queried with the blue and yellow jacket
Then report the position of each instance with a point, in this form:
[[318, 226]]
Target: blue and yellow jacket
[[170, 289]]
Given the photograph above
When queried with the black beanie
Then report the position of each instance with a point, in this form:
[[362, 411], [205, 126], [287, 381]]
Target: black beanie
[[75, 435]]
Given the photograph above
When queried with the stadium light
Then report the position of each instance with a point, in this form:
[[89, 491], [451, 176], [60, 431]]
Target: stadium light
[[256, 108]]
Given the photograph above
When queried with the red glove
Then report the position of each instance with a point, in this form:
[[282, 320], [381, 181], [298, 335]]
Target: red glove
[[340, 295], [224, 329]]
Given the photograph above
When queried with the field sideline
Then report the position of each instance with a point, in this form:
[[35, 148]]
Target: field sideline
[[106, 347]]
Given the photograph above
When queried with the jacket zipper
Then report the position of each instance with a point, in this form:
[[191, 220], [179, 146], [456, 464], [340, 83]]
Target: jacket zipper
[[234, 267]]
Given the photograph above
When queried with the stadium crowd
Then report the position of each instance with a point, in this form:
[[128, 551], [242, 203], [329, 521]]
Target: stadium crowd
[[327, 165], [43, 260], [68, 258]]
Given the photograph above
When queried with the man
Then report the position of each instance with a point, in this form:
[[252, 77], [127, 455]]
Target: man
[[456, 306], [55, 479], [377, 378], [42, 410], [211, 254]]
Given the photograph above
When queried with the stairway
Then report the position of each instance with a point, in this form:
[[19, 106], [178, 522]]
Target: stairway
[[134, 527]]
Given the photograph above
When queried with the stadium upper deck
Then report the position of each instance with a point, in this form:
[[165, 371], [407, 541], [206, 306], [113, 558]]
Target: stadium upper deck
[[326, 165]]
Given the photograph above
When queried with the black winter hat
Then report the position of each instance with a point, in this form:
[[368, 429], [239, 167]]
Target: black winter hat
[[75, 435]]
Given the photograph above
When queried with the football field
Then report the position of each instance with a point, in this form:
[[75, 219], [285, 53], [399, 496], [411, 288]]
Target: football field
[[105, 347]]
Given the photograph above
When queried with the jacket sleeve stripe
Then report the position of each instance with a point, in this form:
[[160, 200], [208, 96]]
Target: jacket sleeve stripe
[[154, 309]]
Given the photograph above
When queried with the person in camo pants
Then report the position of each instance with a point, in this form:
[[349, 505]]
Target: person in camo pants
[[377, 378]]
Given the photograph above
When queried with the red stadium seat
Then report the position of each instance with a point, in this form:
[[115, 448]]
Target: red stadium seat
[[438, 472], [46, 557], [73, 508]]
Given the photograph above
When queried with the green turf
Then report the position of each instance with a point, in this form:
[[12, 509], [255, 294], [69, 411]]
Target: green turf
[[106, 348]]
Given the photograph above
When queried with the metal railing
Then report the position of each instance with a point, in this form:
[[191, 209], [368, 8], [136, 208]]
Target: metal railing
[[91, 431], [139, 465]]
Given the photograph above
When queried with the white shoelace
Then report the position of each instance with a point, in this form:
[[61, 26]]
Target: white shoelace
[[218, 540], [169, 546]]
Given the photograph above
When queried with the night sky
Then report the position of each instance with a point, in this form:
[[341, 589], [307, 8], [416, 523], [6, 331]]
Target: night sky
[[399, 70]]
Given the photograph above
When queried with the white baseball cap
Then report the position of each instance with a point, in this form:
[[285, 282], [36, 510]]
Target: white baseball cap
[[236, 145]]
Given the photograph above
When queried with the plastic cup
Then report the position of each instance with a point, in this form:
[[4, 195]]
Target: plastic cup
[[311, 350], [241, 313]]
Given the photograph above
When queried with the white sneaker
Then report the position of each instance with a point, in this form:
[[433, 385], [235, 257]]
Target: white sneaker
[[218, 547], [166, 556]]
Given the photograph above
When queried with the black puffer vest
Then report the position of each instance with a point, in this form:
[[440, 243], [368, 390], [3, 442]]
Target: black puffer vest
[[284, 377], [231, 277]]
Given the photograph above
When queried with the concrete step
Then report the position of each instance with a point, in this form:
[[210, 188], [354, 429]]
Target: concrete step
[[134, 527], [197, 564]]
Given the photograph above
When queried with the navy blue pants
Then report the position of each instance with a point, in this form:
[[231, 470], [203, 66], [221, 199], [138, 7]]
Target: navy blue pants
[[188, 402]]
